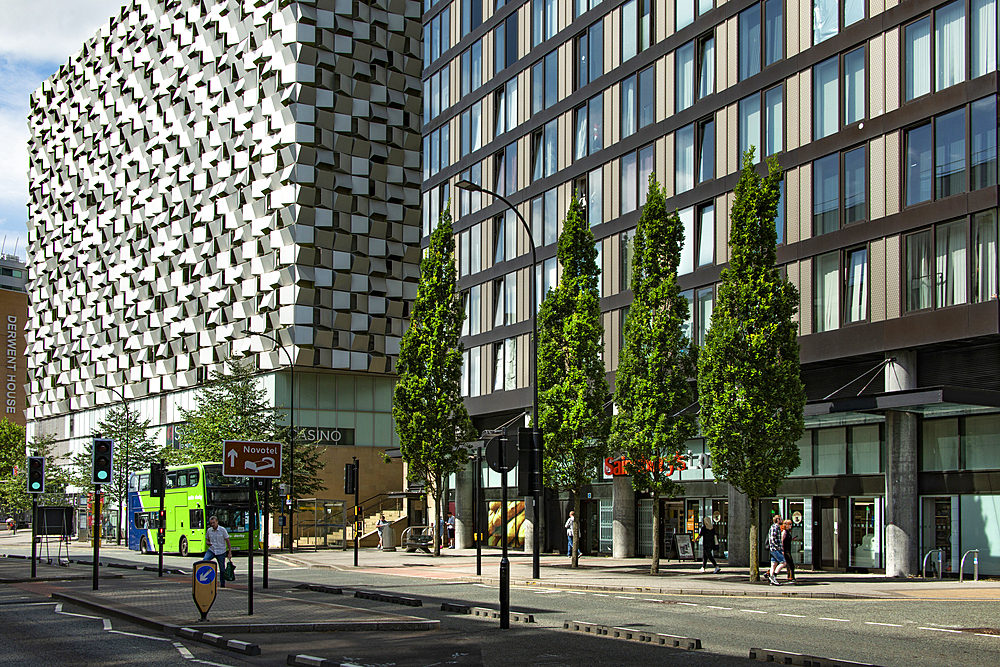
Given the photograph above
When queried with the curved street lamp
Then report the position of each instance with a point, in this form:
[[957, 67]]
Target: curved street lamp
[[291, 439], [469, 186]]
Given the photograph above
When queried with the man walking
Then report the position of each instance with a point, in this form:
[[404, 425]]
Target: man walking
[[218, 546], [569, 533], [774, 546]]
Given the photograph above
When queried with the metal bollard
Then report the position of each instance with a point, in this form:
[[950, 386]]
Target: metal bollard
[[975, 565]]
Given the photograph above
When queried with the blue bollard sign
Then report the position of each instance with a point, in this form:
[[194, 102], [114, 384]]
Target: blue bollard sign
[[204, 584]]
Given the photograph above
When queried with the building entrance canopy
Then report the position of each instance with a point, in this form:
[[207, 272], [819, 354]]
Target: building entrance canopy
[[927, 401]]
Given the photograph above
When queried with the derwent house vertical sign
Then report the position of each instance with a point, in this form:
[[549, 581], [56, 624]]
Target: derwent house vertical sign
[[13, 313]]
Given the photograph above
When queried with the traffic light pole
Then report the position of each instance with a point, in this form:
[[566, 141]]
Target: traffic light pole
[[97, 530], [267, 517], [34, 528], [477, 511], [253, 521], [504, 562], [357, 508], [162, 523]]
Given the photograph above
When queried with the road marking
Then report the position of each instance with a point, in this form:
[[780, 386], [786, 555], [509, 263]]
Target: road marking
[[186, 654], [753, 611], [983, 634], [792, 615], [25, 604], [839, 620], [624, 597], [582, 593], [135, 634], [68, 613], [939, 629], [888, 625], [714, 607], [482, 585], [107, 623], [214, 664], [601, 595], [688, 604], [651, 600]]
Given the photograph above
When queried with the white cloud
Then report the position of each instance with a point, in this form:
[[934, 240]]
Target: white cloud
[[51, 30], [36, 37]]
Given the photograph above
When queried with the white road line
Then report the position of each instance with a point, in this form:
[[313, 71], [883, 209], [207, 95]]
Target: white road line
[[482, 585], [983, 634], [888, 625], [689, 604], [107, 623], [25, 604], [214, 664], [838, 620], [186, 654], [714, 607], [940, 630], [753, 611], [67, 613], [792, 615], [601, 595], [624, 597], [582, 593], [135, 634], [651, 600]]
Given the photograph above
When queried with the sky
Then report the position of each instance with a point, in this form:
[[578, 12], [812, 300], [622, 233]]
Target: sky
[[36, 37]]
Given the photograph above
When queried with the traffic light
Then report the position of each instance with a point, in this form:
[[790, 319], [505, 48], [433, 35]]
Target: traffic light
[[36, 474], [350, 479], [101, 458], [529, 479], [157, 479]]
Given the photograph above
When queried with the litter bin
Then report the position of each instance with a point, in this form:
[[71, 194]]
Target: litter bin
[[388, 539]]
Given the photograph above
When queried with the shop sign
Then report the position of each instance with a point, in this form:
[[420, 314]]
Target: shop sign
[[617, 465]]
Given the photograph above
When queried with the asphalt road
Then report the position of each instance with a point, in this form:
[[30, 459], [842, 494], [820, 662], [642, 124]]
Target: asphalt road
[[881, 632]]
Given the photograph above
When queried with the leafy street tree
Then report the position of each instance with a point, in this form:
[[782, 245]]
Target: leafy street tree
[[431, 418], [748, 373], [572, 387], [14, 496], [133, 452], [233, 406], [653, 384]]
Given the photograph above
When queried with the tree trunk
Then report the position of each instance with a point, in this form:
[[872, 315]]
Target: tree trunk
[[575, 553], [436, 532], [754, 542], [654, 566]]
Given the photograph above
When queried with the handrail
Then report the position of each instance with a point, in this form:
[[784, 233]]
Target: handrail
[[975, 565], [940, 553]]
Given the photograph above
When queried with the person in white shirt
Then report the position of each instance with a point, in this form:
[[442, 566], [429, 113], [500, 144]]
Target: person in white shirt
[[218, 546]]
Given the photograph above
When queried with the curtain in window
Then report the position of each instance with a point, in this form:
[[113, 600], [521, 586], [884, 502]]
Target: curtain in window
[[685, 13], [687, 248], [951, 266], [551, 146], [706, 241], [628, 107], [685, 76], [510, 359], [551, 18], [984, 36], [551, 217], [984, 142], [854, 86], [595, 111], [630, 29], [919, 270], [684, 159], [825, 19], [465, 370], [595, 197], [499, 308], [510, 235], [596, 58], [918, 58], [749, 42], [949, 44], [984, 258], [706, 77], [511, 95], [706, 304], [749, 126], [628, 185], [706, 151], [854, 11], [704, 6], [825, 98], [475, 376], [826, 313], [774, 121], [581, 133], [774, 31], [475, 310], [856, 299], [645, 169]]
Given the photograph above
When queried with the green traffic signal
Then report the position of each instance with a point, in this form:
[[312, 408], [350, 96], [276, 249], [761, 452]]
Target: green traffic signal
[[36, 474]]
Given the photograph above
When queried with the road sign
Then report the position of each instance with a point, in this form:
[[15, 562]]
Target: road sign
[[493, 454], [251, 459], [204, 585]]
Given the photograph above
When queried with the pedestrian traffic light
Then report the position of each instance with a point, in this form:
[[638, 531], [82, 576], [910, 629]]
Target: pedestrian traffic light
[[157, 479], [101, 458], [350, 479], [36, 474]]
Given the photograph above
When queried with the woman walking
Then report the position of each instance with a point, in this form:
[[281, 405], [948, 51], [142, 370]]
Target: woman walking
[[786, 548], [709, 543]]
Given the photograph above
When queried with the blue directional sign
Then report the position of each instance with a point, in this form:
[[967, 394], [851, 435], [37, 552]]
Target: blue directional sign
[[206, 575], [204, 581]]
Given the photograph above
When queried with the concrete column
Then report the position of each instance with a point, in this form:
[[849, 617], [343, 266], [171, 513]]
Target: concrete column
[[739, 529], [623, 511], [902, 516], [463, 506]]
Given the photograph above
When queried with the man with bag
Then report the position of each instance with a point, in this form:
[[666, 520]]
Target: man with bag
[[218, 547]]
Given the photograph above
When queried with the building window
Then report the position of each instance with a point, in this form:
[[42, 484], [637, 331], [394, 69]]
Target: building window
[[856, 285], [505, 170], [595, 197], [472, 128], [589, 120], [546, 278], [504, 237], [706, 65], [689, 249], [705, 251], [936, 267], [834, 206], [638, 101], [472, 15], [635, 170], [756, 48], [779, 220], [764, 132], [470, 202], [437, 150], [437, 36], [983, 143], [437, 93], [590, 55], [505, 44], [705, 156], [946, 51], [983, 20], [636, 27], [704, 305], [505, 107], [941, 144], [829, 274], [581, 7], [544, 147], [472, 68], [544, 20], [984, 256], [829, 19], [628, 107], [627, 243], [684, 65], [825, 99], [684, 173], [545, 83], [647, 97], [545, 218], [685, 13], [645, 170]]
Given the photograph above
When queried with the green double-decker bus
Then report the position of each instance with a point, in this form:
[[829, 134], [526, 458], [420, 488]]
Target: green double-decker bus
[[194, 492]]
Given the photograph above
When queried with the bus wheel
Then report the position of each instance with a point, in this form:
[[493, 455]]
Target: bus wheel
[[183, 546], [143, 546]]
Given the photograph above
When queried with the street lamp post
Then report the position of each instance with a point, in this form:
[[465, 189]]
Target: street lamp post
[[291, 442], [469, 186], [126, 443]]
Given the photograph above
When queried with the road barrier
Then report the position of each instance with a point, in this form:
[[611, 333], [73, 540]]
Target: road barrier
[[391, 599], [657, 638], [485, 612], [789, 658]]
